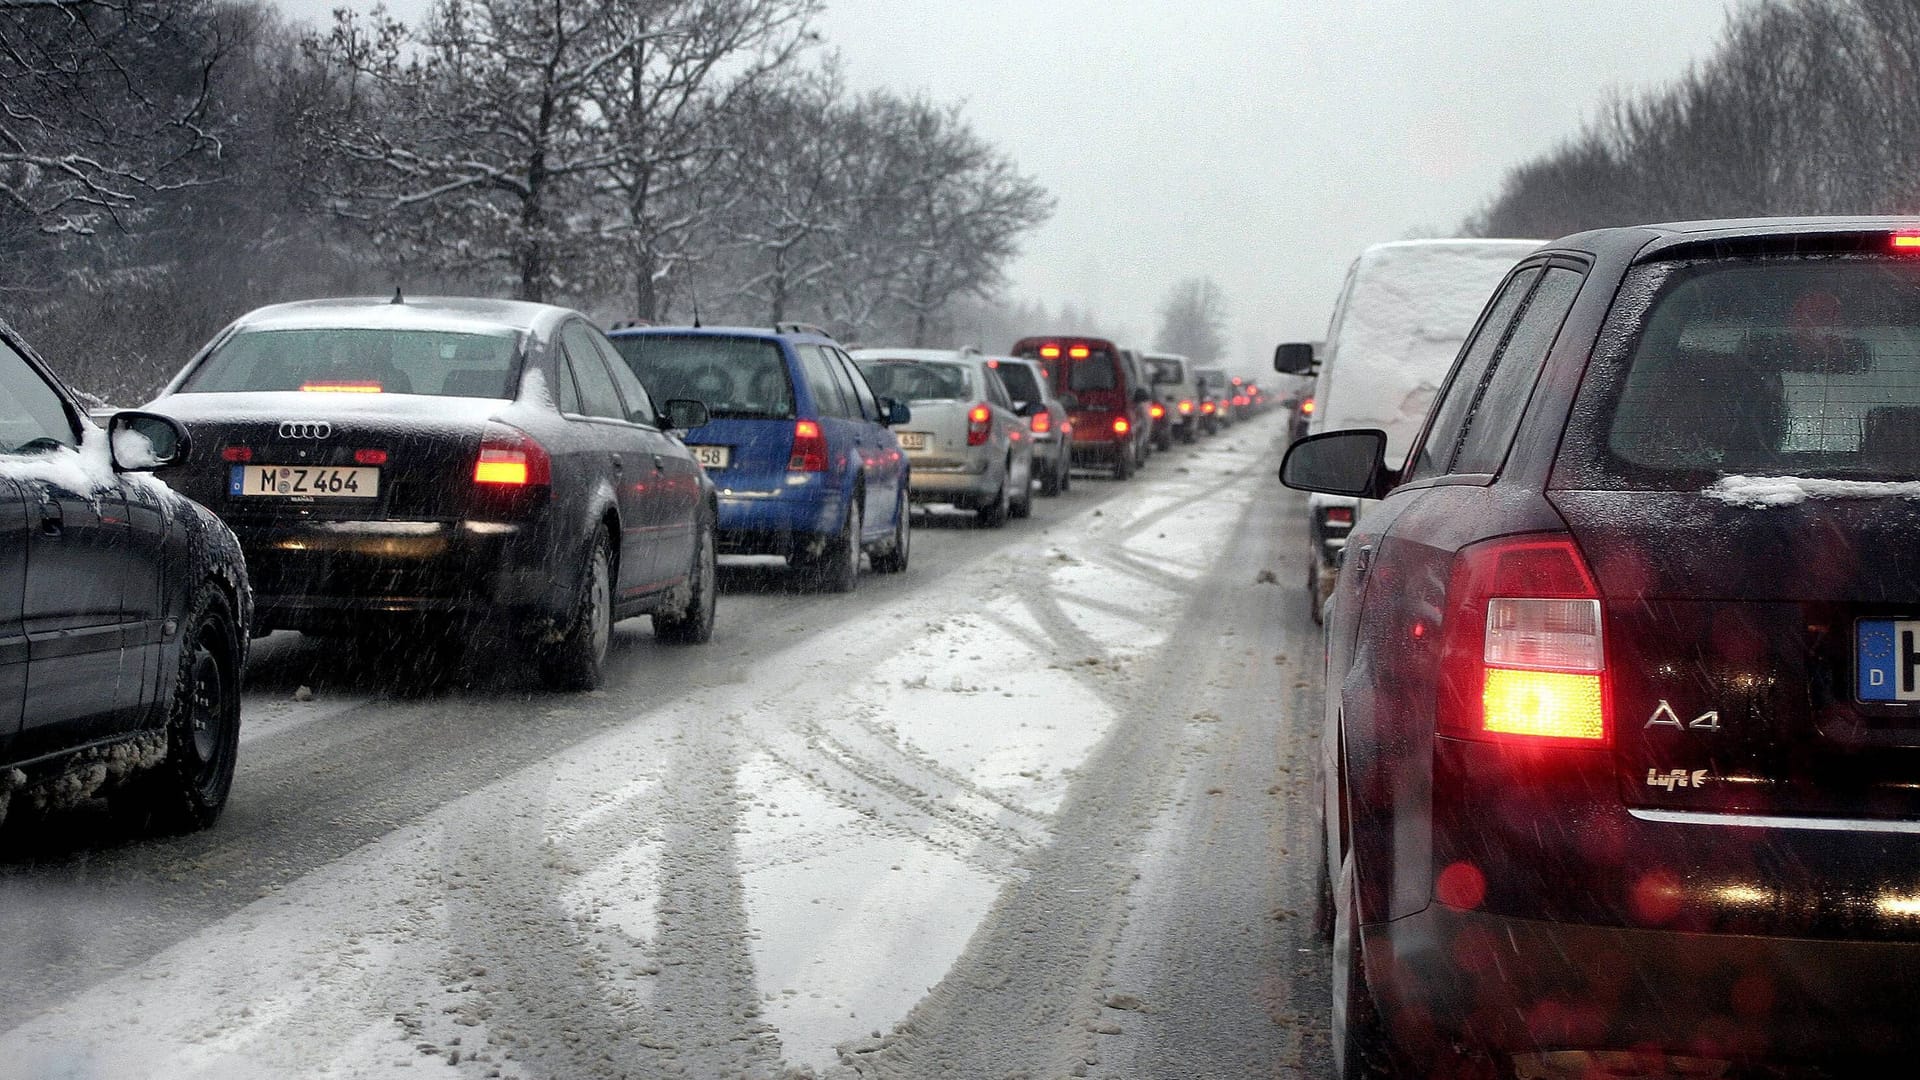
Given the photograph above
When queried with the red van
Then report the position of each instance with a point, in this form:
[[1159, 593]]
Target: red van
[[1104, 389]]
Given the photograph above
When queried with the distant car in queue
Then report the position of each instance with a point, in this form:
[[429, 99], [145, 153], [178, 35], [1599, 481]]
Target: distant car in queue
[[798, 443], [453, 467], [967, 443], [1108, 399], [1049, 420]]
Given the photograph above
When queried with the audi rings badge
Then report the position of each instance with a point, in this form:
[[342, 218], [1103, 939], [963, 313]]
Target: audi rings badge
[[305, 429]]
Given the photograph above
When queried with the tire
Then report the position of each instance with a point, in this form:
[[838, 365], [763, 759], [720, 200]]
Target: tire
[[994, 514], [1066, 472], [189, 788], [578, 661], [1361, 1050], [693, 624], [1313, 588], [1163, 442], [838, 571], [1053, 481], [894, 559], [1022, 507], [1123, 466]]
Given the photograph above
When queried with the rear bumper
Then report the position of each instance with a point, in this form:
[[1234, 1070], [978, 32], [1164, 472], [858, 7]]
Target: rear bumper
[[952, 485], [799, 515], [1502, 984], [319, 575]]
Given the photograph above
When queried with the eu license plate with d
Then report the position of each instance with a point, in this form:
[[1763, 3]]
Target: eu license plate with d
[[1887, 658]]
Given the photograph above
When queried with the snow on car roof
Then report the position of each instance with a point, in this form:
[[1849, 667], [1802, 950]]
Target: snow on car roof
[[1407, 307], [470, 314]]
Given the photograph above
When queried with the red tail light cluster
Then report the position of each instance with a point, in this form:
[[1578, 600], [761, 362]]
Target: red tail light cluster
[[1120, 425], [1306, 407], [979, 423], [236, 453], [1206, 406], [1157, 411], [1186, 406], [369, 457], [511, 457], [809, 448], [1042, 422], [1524, 654], [1339, 515]]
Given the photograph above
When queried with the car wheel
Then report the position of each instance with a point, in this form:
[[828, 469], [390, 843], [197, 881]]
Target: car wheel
[[1053, 481], [1066, 473], [1022, 507], [1313, 588], [189, 787], [1123, 466], [994, 514], [578, 660], [839, 570], [1163, 442], [693, 624], [894, 559], [1360, 1045]]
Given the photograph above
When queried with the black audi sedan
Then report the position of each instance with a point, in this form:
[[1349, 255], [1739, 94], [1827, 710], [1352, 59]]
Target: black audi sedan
[[123, 612], [1621, 761], [458, 468]]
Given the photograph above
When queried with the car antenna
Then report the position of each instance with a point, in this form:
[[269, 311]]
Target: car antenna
[[397, 298], [693, 290]]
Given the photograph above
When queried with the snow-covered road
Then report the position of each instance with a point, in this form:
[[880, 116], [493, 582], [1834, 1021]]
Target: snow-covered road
[[1037, 807]]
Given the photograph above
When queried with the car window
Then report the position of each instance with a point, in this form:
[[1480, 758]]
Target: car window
[[639, 404], [30, 410], [440, 363], [844, 384], [598, 397], [1436, 451], [1099, 370], [997, 390], [821, 380], [1495, 417], [862, 393], [918, 380], [1775, 366], [1020, 381], [568, 397], [736, 378]]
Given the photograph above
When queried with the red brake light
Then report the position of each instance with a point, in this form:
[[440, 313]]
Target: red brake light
[[1120, 425], [1907, 242], [1157, 410], [1049, 352], [1306, 407], [1186, 407], [369, 457], [1042, 423], [236, 453], [1206, 406], [978, 425], [1239, 399], [1523, 654], [368, 387], [1079, 352], [809, 448], [511, 457], [1339, 515]]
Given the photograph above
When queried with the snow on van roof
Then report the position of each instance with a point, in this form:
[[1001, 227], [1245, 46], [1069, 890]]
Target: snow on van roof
[[1406, 308]]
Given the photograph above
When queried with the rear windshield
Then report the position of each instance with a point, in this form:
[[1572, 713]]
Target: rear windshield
[[735, 378], [918, 380], [435, 362], [1021, 384], [1096, 371], [1795, 366]]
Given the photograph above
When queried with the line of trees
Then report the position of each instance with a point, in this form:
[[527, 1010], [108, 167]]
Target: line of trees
[[1804, 107], [167, 164]]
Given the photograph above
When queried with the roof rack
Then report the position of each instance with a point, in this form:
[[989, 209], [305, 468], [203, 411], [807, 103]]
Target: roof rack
[[800, 328]]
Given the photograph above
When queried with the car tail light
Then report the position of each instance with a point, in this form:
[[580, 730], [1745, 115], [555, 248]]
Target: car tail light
[[1206, 406], [1186, 407], [979, 423], [1339, 515], [1120, 425], [369, 457], [1079, 352], [368, 387], [236, 453], [809, 448], [1909, 242], [1306, 407], [1239, 399], [1042, 423], [1524, 653], [1157, 411], [512, 458], [1049, 352]]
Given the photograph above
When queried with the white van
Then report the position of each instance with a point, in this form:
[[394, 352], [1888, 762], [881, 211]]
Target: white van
[[1405, 310]]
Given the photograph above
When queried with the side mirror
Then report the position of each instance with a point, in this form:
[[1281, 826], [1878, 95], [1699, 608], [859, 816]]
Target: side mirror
[[1294, 358], [894, 412], [142, 441], [1348, 463], [1141, 396], [685, 414]]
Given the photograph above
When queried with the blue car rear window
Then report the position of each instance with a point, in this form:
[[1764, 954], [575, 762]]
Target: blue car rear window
[[736, 378]]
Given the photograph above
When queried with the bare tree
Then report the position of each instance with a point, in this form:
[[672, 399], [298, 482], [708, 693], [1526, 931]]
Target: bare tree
[[1193, 320]]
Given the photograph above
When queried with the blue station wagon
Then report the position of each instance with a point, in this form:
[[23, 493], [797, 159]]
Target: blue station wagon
[[797, 443]]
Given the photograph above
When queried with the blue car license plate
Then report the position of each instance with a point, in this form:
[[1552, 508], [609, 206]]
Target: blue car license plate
[[1887, 657]]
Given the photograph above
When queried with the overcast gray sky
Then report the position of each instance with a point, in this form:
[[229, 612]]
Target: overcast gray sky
[[1262, 142]]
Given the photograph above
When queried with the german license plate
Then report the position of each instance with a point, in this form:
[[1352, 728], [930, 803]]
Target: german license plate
[[712, 457], [1887, 657], [317, 481], [913, 440]]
